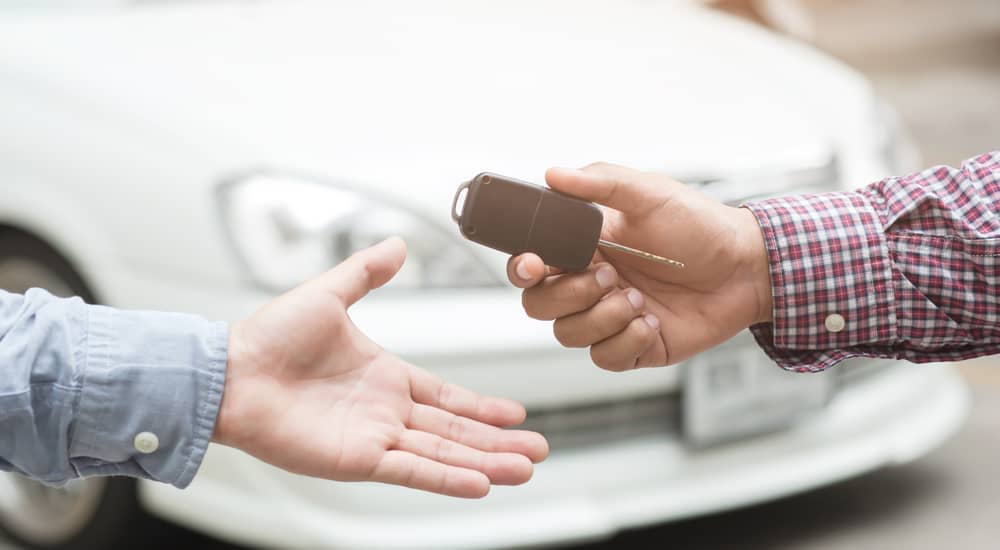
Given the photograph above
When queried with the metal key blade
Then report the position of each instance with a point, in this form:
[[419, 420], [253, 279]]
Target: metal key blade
[[639, 253]]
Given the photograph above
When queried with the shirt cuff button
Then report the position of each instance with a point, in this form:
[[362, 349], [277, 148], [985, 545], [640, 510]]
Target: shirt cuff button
[[835, 322], [146, 442]]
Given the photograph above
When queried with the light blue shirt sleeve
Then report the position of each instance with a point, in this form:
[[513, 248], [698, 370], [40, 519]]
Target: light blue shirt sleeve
[[79, 383]]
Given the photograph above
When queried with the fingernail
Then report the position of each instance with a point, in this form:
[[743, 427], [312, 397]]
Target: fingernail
[[522, 270], [605, 276], [652, 321], [634, 298]]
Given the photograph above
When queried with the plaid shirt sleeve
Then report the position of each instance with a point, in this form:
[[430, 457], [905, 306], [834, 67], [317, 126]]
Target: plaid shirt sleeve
[[905, 268]]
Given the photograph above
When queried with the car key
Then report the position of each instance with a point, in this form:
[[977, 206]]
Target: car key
[[514, 216]]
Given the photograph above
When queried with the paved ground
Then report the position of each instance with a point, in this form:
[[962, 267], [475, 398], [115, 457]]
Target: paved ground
[[939, 63]]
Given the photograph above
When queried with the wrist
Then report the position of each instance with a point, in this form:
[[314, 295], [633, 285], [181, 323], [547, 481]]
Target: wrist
[[228, 413], [753, 251]]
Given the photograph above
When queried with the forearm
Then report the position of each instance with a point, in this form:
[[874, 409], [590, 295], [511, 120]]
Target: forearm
[[904, 268], [88, 390]]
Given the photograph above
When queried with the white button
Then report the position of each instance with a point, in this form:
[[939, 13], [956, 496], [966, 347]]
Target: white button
[[146, 442], [835, 322]]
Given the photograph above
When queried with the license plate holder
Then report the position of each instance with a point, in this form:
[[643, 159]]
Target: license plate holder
[[733, 393]]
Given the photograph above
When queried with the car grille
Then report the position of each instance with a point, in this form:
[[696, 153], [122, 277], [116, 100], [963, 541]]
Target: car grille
[[607, 422], [596, 424]]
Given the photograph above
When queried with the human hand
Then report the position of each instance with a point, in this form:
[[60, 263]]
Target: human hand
[[632, 312], [308, 392]]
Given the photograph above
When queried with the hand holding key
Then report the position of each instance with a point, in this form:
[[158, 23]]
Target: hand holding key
[[633, 312]]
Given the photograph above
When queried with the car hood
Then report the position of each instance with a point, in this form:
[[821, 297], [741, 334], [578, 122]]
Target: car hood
[[414, 97]]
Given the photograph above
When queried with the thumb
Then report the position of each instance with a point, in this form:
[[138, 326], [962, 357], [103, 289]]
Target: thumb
[[365, 270], [617, 187]]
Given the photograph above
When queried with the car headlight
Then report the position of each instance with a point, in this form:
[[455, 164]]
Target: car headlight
[[287, 229]]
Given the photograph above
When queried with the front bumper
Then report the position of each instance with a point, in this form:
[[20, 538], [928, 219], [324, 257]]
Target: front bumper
[[891, 417]]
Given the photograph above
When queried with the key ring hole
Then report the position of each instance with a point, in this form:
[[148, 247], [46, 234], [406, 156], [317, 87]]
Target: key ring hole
[[471, 230], [458, 203]]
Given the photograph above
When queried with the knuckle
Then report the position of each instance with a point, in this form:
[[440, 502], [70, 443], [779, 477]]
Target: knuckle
[[456, 429], [442, 450], [446, 394], [368, 273], [642, 329], [641, 334], [441, 482], [596, 166], [621, 309], [566, 335], [534, 305], [605, 360], [408, 475], [582, 288]]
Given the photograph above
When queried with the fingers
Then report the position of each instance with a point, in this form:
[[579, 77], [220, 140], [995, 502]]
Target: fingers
[[365, 270], [501, 468], [618, 187], [468, 418], [417, 472], [605, 319], [430, 390], [622, 351], [477, 434], [528, 270], [569, 293], [525, 270]]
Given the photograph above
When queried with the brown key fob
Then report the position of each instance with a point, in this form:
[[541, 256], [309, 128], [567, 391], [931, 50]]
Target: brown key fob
[[514, 216]]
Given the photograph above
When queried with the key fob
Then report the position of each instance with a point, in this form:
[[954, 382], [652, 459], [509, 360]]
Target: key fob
[[515, 216]]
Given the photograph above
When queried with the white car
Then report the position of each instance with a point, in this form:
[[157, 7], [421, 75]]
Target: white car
[[203, 156]]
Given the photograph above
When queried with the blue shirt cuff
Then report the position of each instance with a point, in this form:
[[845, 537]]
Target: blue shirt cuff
[[148, 373]]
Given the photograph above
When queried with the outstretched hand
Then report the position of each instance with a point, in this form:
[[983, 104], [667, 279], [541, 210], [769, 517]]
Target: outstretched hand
[[308, 392], [632, 312]]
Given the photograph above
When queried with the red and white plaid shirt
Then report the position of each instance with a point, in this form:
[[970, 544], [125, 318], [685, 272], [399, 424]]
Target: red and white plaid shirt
[[905, 268]]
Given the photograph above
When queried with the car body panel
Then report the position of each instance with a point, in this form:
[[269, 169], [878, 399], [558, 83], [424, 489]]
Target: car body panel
[[304, 87]]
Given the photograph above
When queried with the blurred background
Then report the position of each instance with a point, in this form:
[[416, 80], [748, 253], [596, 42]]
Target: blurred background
[[936, 62]]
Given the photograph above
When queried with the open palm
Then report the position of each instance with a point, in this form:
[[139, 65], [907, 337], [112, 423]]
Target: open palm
[[308, 392]]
